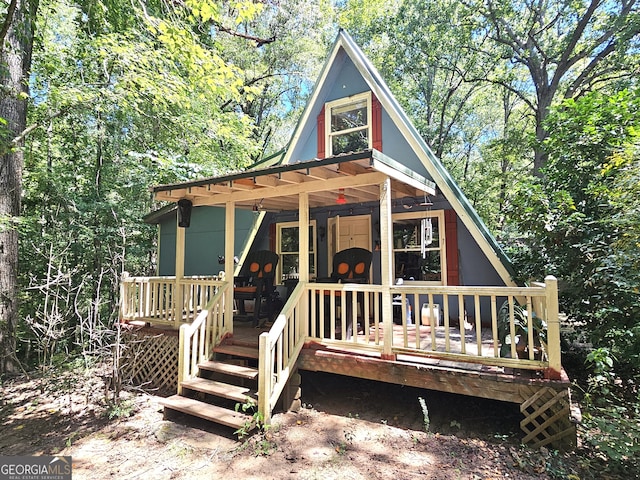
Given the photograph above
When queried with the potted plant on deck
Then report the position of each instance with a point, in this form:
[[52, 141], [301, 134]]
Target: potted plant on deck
[[521, 328]]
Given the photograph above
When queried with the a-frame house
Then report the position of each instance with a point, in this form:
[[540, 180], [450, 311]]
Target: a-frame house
[[399, 280]]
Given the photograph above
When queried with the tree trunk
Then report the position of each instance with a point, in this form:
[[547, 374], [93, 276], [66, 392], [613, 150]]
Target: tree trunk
[[15, 64], [545, 98], [540, 156]]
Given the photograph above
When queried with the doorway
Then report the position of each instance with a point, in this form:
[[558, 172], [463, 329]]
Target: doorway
[[347, 232]]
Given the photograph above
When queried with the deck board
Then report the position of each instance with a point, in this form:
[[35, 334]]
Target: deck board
[[220, 389], [207, 411], [452, 377]]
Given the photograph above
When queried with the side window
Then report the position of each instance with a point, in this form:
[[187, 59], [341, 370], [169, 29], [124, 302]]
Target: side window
[[348, 124], [287, 246], [419, 247]]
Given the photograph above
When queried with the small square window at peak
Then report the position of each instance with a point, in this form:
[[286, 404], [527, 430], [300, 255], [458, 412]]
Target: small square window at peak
[[349, 116]]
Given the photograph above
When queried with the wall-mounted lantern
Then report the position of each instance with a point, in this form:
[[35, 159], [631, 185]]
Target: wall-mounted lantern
[[184, 212]]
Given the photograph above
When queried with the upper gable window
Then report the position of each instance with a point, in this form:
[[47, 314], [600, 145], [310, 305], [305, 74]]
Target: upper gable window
[[348, 122]]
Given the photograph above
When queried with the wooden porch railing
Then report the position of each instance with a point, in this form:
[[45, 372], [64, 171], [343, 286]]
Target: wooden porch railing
[[515, 327], [279, 350], [153, 299], [482, 325], [198, 338]]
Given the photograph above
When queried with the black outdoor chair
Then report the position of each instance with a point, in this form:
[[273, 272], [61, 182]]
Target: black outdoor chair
[[256, 282], [349, 266]]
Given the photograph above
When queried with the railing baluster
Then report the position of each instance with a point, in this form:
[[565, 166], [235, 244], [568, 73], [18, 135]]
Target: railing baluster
[[377, 317], [313, 319], [512, 327], [336, 316], [494, 326], [354, 316], [462, 314], [417, 320], [432, 321], [530, 342], [445, 304], [366, 305], [478, 318]]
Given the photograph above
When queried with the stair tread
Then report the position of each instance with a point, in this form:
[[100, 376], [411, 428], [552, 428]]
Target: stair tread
[[238, 351], [207, 411], [220, 389], [229, 369]]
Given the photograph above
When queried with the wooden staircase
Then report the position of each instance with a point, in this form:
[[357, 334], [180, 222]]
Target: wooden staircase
[[222, 383]]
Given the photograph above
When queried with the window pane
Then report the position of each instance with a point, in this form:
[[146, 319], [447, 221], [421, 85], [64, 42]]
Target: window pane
[[406, 233], [289, 240], [431, 267], [350, 142], [289, 264], [349, 116], [435, 241], [411, 266]]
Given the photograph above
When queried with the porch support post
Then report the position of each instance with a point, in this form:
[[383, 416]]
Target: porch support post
[[229, 265], [178, 302], [386, 252], [553, 328], [303, 242]]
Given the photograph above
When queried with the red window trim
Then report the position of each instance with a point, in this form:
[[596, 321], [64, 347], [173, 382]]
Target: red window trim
[[451, 240]]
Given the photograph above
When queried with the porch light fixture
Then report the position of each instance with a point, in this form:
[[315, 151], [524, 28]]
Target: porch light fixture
[[257, 206], [341, 200], [184, 212]]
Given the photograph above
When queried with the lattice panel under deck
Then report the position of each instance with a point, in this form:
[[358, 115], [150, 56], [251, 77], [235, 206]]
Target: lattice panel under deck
[[151, 360], [548, 419]]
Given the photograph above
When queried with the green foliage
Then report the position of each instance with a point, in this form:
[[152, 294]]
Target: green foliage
[[581, 223], [125, 96], [610, 426], [257, 419], [262, 442], [120, 409], [520, 328]]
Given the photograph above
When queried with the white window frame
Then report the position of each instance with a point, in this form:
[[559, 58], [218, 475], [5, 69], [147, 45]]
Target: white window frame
[[442, 248], [312, 245], [342, 103]]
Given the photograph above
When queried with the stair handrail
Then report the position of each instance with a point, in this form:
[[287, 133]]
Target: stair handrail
[[197, 339], [277, 356]]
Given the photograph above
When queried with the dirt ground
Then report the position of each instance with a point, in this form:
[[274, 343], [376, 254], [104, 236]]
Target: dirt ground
[[347, 429]]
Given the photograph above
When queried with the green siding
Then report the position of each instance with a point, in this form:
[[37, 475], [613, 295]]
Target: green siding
[[204, 240]]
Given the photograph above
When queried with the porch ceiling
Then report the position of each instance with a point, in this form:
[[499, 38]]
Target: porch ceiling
[[277, 188]]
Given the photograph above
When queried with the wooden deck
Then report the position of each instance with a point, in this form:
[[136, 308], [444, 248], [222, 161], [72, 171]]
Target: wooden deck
[[431, 355], [351, 359]]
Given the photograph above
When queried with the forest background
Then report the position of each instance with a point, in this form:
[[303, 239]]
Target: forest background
[[532, 105]]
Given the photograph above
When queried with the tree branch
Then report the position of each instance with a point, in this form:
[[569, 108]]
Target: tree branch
[[589, 69], [7, 22], [259, 41], [19, 138]]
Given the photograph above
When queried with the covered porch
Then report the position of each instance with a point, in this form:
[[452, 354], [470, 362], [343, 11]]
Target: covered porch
[[499, 342]]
